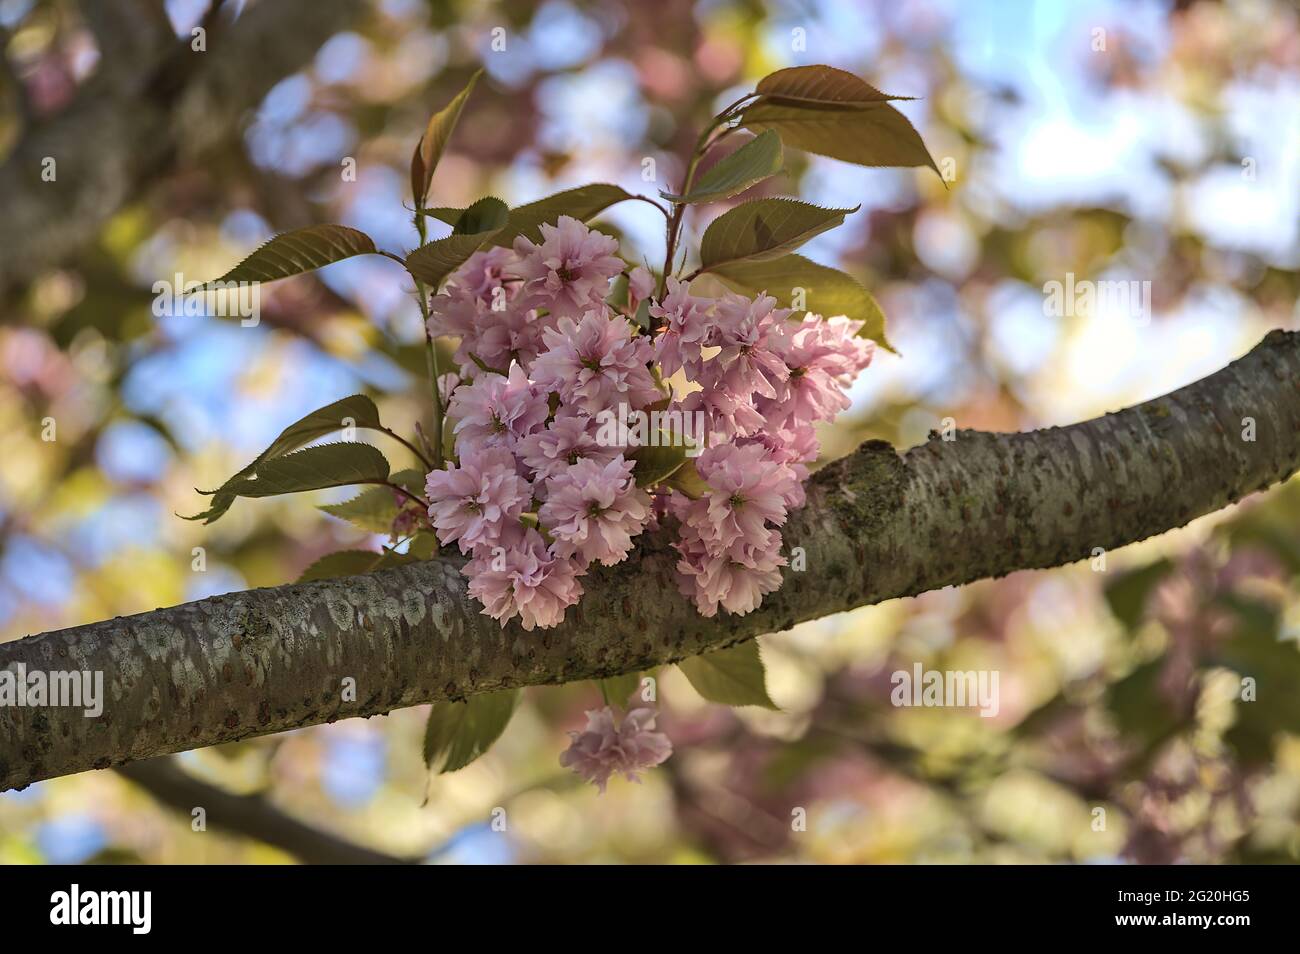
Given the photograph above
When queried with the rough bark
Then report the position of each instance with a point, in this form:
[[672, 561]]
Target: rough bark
[[128, 125], [876, 526]]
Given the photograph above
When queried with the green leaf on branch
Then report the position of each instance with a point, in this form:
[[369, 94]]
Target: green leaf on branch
[[687, 480], [734, 676], [302, 250], [825, 291], [433, 262], [459, 732], [428, 151], [764, 229], [866, 133], [654, 465], [617, 690], [583, 203], [373, 509], [486, 215], [314, 468], [751, 163], [821, 84], [356, 410], [351, 563]]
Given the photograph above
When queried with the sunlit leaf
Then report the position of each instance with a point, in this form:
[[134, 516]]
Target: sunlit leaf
[[763, 229], [617, 690], [687, 480], [301, 250], [356, 410], [871, 134], [428, 151], [753, 162], [314, 468], [459, 732], [826, 291], [373, 510], [656, 464], [734, 676], [821, 84]]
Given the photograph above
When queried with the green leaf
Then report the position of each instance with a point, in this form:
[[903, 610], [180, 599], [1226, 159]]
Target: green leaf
[[655, 464], [301, 250], [486, 215], [732, 676], [821, 84], [687, 480], [351, 563], [827, 291], [583, 203], [356, 410], [445, 214], [753, 162], [867, 134], [459, 732], [433, 262], [373, 510], [617, 690], [1127, 593], [428, 151], [315, 468], [764, 229]]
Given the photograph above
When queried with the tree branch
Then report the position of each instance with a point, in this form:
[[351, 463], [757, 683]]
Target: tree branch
[[249, 815], [126, 128], [876, 526]]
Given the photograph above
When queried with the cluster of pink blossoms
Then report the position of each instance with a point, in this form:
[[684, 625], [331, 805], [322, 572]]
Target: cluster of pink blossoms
[[539, 491]]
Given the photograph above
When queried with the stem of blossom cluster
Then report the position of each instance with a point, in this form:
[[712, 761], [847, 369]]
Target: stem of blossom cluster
[[702, 145], [430, 356]]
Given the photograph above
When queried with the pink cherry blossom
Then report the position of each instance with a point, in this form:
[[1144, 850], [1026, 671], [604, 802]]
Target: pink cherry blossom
[[595, 510], [686, 327], [747, 490], [569, 272], [521, 576], [473, 503], [469, 293], [569, 438], [751, 334], [822, 357], [606, 748], [596, 363], [496, 411], [726, 415], [735, 579]]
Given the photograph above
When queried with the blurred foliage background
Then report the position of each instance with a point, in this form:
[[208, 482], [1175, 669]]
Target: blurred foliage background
[[1169, 155]]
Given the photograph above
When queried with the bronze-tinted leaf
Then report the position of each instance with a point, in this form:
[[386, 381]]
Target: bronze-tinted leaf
[[820, 84], [428, 151], [870, 134]]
